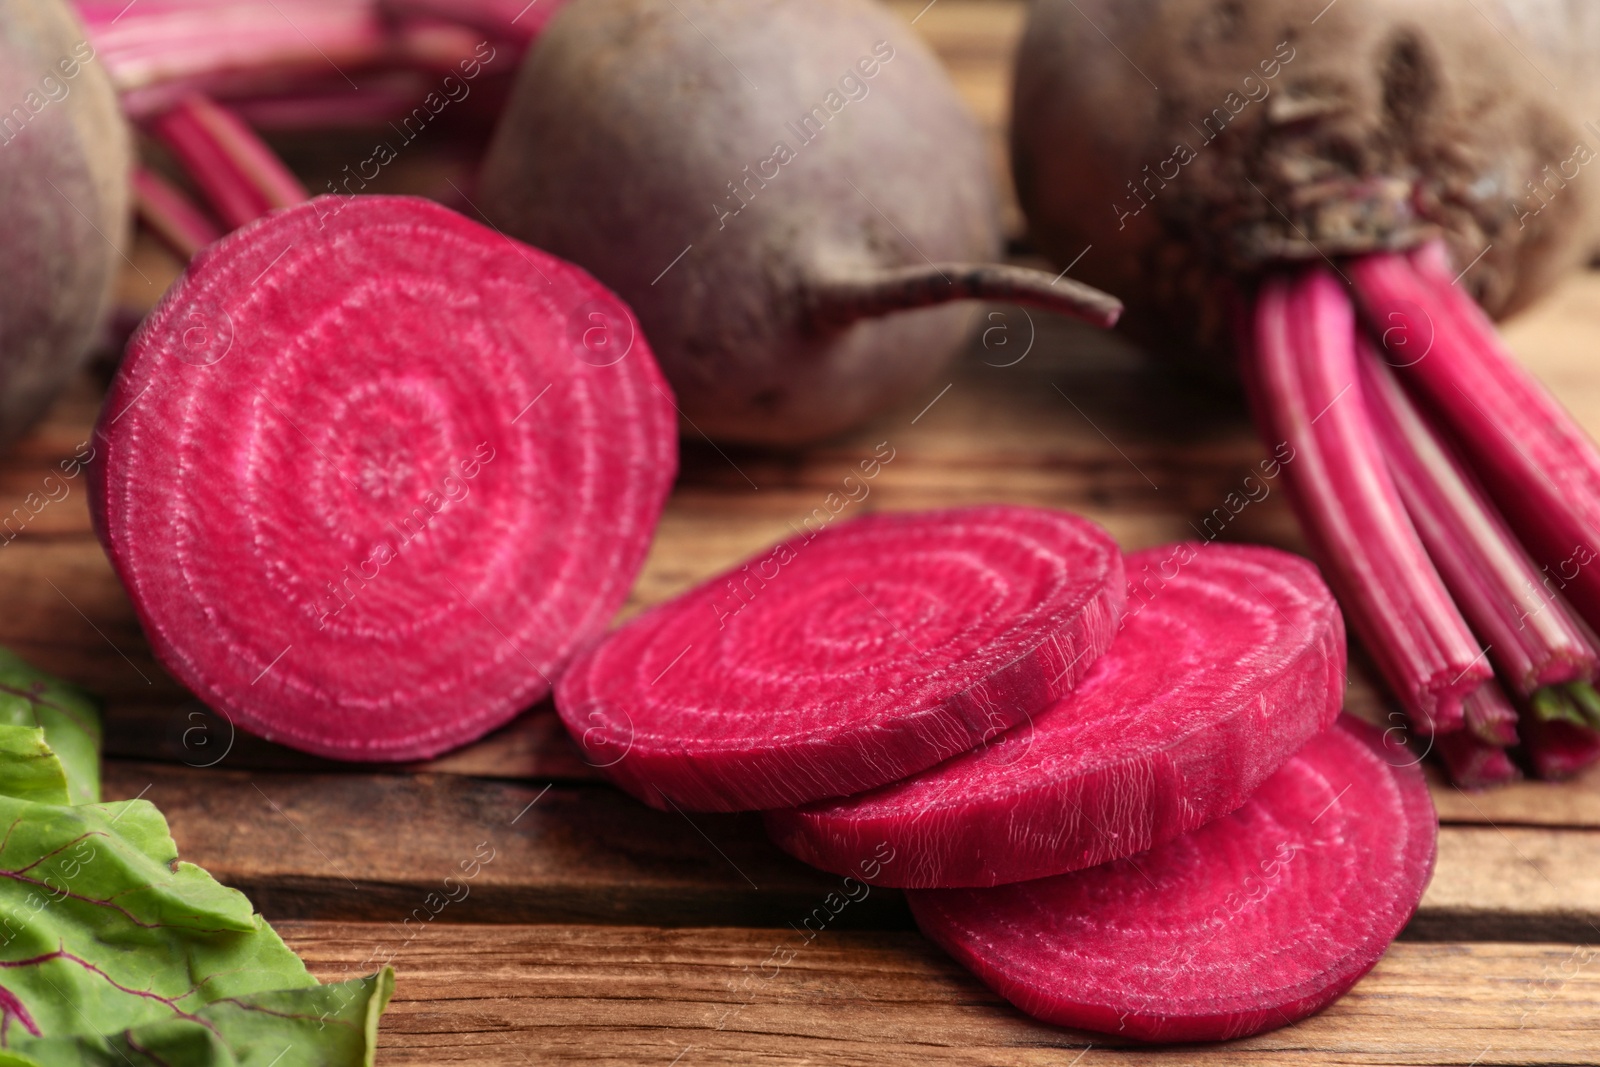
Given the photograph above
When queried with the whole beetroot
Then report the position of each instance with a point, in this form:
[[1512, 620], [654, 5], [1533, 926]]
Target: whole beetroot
[[1275, 173], [763, 181], [1220, 136], [65, 160]]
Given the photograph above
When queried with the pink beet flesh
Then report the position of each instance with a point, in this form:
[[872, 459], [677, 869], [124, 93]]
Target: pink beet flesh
[[372, 471], [1249, 923], [847, 658], [1221, 672]]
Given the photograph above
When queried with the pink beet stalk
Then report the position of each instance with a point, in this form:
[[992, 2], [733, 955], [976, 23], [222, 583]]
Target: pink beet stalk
[[1309, 395], [1557, 748], [159, 50], [517, 22], [324, 105], [169, 212], [1533, 640], [1491, 717], [1474, 763], [238, 174], [1537, 463]]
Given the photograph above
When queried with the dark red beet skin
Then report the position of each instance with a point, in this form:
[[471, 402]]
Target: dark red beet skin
[[1249, 923], [846, 658], [65, 158], [372, 471], [1220, 673]]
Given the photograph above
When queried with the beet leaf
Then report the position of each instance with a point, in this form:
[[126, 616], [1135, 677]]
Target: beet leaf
[[114, 951]]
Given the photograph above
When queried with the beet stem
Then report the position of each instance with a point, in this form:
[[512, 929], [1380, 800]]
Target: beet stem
[[159, 52], [1554, 705], [838, 302], [181, 223], [1537, 464], [200, 43], [1303, 370], [514, 21], [237, 172], [1557, 748], [1587, 701], [1472, 761], [1533, 639], [1490, 716]]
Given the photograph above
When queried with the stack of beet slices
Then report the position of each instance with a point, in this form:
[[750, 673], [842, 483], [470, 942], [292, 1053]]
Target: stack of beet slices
[[1119, 790]]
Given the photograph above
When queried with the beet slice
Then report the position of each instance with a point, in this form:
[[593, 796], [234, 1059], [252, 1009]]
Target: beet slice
[[1251, 922], [1227, 668], [372, 471], [847, 657]]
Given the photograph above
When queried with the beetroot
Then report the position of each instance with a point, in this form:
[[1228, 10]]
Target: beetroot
[[371, 471], [847, 657], [1348, 136], [1251, 922], [1290, 131], [1234, 661], [65, 161], [762, 182]]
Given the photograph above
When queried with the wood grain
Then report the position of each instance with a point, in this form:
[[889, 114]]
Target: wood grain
[[344, 846], [624, 995], [347, 846]]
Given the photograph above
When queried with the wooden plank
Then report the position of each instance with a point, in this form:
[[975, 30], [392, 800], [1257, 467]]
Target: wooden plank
[[1513, 883], [536, 747], [625, 995], [1571, 803], [343, 846], [179, 730]]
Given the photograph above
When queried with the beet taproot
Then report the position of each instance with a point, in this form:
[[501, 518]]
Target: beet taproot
[[849, 656], [371, 472], [771, 185], [1230, 659], [1249, 923], [1289, 131], [1238, 166], [65, 165]]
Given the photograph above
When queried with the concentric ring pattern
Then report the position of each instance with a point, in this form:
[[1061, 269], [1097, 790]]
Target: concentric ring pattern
[[369, 480], [1229, 659], [1249, 923], [848, 657]]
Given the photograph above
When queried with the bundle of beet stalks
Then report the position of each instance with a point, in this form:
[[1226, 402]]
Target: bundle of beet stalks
[[1452, 500], [201, 77], [1119, 790]]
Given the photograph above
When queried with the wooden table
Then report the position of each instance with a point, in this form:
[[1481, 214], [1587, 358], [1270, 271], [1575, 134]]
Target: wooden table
[[597, 930]]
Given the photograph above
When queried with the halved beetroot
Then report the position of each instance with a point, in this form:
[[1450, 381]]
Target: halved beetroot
[[1236, 658], [1251, 922], [847, 657], [371, 471]]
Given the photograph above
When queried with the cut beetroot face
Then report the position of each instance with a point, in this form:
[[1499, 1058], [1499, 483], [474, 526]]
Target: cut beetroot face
[[371, 471], [1230, 658], [847, 657], [1249, 923]]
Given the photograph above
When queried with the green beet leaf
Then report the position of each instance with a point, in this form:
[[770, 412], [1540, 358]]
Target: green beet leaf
[[330, 1024], [69, 719], [112, 950]]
